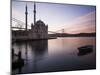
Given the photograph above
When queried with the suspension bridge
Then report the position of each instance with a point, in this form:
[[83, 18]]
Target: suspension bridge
[[21, 26]]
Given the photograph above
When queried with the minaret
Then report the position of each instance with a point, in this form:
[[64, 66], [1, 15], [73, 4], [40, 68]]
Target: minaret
[[34, 13], [26, 13]]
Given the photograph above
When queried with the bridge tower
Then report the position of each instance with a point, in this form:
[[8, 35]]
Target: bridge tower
[[62, 30]]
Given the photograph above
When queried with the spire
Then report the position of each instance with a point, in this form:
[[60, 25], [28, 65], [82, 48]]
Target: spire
[[26, 17], [34, 13]]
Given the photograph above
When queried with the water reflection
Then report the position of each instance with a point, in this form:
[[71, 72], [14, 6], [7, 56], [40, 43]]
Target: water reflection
[[55, 55], [31, 52], [39, 49]]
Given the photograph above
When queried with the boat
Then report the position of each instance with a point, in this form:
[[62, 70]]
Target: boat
[[85, 50]]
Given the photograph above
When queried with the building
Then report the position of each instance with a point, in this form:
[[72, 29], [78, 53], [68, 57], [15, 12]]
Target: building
[[38, 30]]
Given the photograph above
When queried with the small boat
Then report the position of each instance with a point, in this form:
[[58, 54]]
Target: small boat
[[85, 50]]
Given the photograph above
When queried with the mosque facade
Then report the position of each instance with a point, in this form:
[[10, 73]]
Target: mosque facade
[[39, 30]]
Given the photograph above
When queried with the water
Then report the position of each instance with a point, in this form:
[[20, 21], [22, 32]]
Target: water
[[55, 55]]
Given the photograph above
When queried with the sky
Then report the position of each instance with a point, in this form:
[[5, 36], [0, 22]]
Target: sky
[[71, 18]]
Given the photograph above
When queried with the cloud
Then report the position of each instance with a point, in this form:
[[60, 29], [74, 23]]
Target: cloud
[[85, 23]]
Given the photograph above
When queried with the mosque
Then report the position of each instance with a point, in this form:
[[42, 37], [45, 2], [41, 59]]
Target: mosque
[[38, 30]]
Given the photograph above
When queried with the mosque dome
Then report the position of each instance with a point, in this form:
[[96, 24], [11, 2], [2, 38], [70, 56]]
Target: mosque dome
[[39, 22]]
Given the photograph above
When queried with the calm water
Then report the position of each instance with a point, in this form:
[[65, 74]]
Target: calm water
[[55, 55]]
